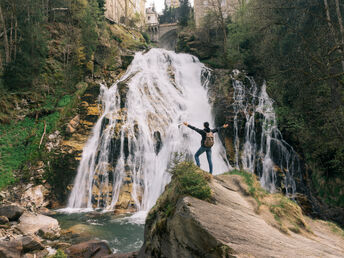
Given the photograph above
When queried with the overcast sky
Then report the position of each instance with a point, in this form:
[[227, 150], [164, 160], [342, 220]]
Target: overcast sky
[[159, 4]]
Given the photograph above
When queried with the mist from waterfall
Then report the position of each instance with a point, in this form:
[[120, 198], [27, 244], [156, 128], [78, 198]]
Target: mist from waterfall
[[141, 128]]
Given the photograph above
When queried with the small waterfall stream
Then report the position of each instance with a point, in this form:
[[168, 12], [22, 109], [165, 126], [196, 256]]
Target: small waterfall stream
[[140, 129], [262, 149]]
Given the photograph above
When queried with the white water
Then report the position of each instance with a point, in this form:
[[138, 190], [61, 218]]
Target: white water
[[270, 153], [164, 89]]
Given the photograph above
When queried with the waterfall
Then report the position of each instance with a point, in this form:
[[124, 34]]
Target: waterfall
[[125, 159], [263, 150]]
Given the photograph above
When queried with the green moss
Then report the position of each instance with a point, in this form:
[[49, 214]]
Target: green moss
[[65, 100], [255, 190], [72, 103], [191, 181], [20, 140], [335, 228], [59, 254]]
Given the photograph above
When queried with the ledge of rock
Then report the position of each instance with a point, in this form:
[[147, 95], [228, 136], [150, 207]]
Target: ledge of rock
[[236, 226]]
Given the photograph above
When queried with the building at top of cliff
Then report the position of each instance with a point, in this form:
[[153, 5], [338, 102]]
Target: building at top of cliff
[[151, 17], [127, 12], [203, 7], [172, 3]]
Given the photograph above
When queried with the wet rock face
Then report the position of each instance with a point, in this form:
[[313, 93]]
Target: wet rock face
[[67, 149]]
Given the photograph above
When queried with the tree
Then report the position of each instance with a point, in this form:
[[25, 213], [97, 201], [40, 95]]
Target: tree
[[184, 12]]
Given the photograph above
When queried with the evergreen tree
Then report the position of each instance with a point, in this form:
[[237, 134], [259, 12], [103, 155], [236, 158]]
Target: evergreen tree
[[184, 12]]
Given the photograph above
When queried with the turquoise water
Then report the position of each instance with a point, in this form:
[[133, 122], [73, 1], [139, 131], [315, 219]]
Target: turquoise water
[[122, 232]]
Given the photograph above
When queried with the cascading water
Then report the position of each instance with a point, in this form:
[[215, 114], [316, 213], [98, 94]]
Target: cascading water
[[265, 154], [140, 129]]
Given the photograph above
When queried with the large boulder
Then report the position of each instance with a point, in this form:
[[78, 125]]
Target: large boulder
[[124, 255], [3, 220], [30, 243], [92, 248], [12, 212], [35, 197], [10, 249], [45, 226], [235, 225]]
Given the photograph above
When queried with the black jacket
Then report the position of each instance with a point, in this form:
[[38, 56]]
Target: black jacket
[[204, 132]]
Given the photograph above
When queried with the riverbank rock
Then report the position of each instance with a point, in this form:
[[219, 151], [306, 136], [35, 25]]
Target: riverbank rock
[[124, 255], [31, 243], [93, 248], [10, 249], [235, 225], [12, 212], [46, 227], [3, 220], [35, 197]]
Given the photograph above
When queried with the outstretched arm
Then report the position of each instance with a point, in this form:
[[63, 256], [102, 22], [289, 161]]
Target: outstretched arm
[[194, 128], [217, 129]]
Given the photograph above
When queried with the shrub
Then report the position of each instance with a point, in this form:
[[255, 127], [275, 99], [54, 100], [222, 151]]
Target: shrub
[[190, 180]]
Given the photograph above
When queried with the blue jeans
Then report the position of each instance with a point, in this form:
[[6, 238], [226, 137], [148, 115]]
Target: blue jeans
[[199, 152]]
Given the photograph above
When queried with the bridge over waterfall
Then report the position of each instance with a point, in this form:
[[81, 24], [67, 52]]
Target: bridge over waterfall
[[163, 34]]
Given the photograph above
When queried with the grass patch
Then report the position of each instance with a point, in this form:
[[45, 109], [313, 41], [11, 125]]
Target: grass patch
[[254, 188], [335, 228], [286, 214], [19, 142], [65, 100], [58, 254], [190, 180]]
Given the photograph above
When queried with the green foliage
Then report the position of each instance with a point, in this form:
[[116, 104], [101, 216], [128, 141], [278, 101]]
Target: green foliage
[[190, 180], [170, 15], [28, 60], [295, 52], [19, 142], [145, 36], [59, 254], [64, 101], [184, 12]]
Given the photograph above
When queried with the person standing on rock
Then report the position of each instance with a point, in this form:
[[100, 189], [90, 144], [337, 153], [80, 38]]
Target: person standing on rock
[[206, 143]]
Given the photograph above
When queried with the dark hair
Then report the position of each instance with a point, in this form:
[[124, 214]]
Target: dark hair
[[206, 125]]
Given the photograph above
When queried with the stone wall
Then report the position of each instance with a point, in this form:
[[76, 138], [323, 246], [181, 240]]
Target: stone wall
[[117, 10]]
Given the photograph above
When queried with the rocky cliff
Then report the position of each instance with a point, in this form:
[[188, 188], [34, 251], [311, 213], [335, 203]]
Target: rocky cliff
[[239, 220]]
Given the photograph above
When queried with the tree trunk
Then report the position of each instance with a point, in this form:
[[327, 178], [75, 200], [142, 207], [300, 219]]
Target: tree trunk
[[332, 31], [6, 46], [11, 36], [340, 21], [15, 38]]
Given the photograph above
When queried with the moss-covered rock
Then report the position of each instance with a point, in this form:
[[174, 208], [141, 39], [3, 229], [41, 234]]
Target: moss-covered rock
[[242, 220]]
